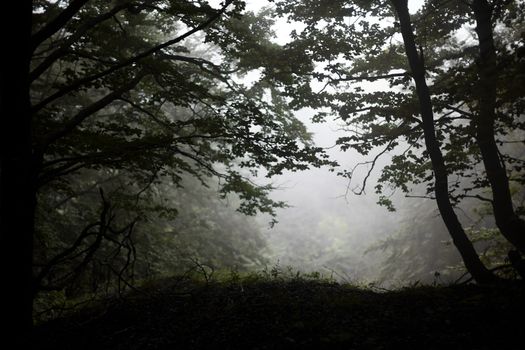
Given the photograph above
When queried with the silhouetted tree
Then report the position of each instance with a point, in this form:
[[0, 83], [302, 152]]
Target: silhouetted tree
[[430, 130], [113, 85]]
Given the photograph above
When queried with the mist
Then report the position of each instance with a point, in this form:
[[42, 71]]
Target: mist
[[336, 227], [330, 229]]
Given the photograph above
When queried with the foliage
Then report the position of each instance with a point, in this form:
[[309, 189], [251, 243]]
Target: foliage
[[170, 112], [138, 108], [352, 44]]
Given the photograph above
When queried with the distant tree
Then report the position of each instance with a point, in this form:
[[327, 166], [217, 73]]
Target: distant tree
[[421, 245], [427, 118], [418, 249], [114, 85]]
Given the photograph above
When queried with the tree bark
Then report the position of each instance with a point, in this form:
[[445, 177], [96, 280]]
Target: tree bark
[[510, 225], [17, 175], [470, 257]]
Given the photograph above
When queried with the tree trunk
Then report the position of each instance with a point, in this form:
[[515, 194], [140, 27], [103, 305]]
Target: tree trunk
[[509, 224], [470, 257], [17, 185]]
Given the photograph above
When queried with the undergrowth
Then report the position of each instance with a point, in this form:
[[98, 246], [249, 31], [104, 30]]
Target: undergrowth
[[280, 308]]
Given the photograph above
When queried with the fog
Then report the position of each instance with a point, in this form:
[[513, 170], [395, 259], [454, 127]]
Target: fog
[[329, 229]]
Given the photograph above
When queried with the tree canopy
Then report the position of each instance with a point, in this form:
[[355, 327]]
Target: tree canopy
[[122, 101], [359, 42], [151, 91], [428, 109], [149, 88]]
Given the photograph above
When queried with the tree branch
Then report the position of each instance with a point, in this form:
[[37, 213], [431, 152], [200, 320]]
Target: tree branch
[[66, 44], [86, 232], [71, 124], [201, 62], [477, 196], [126, 63], [423, 197], [460, 111], [373, 163], [55, 25]]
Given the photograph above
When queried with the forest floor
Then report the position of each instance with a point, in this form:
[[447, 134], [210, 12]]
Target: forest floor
[[294, 314]]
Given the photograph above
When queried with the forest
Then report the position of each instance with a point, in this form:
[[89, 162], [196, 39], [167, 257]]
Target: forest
[[262, 174]]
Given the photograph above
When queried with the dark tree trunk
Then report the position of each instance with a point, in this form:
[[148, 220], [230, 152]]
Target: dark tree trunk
[[17, 189], [509, 224], [470, 257]]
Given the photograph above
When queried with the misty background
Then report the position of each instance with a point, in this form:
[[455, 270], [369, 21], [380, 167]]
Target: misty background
[[329, 229]]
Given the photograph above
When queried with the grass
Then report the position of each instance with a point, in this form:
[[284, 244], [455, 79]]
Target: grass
[[276, 310]]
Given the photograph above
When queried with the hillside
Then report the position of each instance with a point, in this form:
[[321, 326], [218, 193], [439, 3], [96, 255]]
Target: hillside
[[294, 314]]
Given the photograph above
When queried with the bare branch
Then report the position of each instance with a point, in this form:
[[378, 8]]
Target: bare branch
[[460, 111], [372, 166], [477, 196], [424, 197], [59, 258]]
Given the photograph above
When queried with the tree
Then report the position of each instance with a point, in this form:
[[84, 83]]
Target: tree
[[17, 162], [416, 63], [509, 223], [115, 86], [355, 41]]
